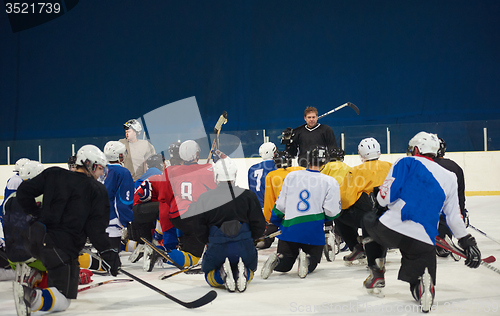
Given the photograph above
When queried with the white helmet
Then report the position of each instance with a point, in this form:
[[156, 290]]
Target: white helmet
[[267, 150], [20, 163], [30, 170], [426, 143], [113, 149], [225, 170], [369, 149], [133, 124], [189, 150], [90, 156]]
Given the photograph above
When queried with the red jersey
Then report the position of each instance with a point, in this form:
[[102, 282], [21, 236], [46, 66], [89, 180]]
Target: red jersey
[[183, 185]]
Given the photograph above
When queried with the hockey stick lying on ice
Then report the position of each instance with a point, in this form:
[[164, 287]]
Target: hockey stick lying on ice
[[349, 104], [162, 253], [205, 299], [484, 262], [481, 232], [102, 283], [189, 270]]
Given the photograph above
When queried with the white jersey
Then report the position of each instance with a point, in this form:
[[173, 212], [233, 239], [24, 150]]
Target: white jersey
[[306, 200], [416, 191]]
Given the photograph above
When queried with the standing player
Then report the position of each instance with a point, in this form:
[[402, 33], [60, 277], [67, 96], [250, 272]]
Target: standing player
[[307, 199], [306, 137], [138, 149], [120, 186], [354, 196], [75, 206], [228, 219], [274, 182], [258, 172], [416, 191]]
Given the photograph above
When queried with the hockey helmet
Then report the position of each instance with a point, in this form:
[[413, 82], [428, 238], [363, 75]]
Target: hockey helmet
[[426, 143], [155, 161], [114, 150], [20, 163], [267, 150], [90, 156], [336, 154], [282, 159], [369, 149], [442, 148], [225, 170], [30, 170], [318, 156], [133, 124], [189, 150]]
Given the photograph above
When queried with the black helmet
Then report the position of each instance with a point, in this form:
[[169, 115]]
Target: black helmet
[[173, 150], [155, 161], [318, 156], [442, 148], [336, 154], [282, 159]]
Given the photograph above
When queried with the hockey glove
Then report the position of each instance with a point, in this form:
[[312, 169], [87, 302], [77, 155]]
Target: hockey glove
[[472, 253], [85, 276], [111, 261]]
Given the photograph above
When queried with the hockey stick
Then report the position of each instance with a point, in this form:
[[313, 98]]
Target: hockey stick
[[193, 269], [349, 104], [162, 253], [481, 232], [218, 125], [276, 233], [484, 262], [102, 283], [205, 299]]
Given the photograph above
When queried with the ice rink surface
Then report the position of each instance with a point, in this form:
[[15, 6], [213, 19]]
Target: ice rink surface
[[333, 289]]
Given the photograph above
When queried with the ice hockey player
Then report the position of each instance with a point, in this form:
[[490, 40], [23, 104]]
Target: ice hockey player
[[414, 194], [183, 185], [72, 163], [173, 150], [120, 186], [452, 166], [306, 137], [14, 181], [274, 182], [354, 196], [68, 197], [156, 165], [258, 172], [138, 150], [228, 220], [307, 199], [14, 224]]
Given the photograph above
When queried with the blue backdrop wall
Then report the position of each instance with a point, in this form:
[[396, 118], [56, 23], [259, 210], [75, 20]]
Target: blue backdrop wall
[[101, 63]]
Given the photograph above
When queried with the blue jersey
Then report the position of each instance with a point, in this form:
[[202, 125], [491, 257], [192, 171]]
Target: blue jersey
[[257, 178], [12, 184], [120, 187], [416, 191]]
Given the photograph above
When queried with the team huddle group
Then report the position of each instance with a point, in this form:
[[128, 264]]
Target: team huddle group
[[116, 199]]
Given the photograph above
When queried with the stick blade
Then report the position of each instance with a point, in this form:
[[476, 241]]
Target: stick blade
[[204, 300], [354, 107]]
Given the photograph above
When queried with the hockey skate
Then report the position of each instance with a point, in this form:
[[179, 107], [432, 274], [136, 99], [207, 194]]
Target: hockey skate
[[150, 259], [137, 254], [303, 264], [226, 275], [269, 265], [376, 281], [242, 281], [23, 284], [424, 292], [357, 256], [329, 248]]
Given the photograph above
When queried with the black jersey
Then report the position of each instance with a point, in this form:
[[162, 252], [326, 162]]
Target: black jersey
[[305, 139], [74, 207], [452, 166]]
